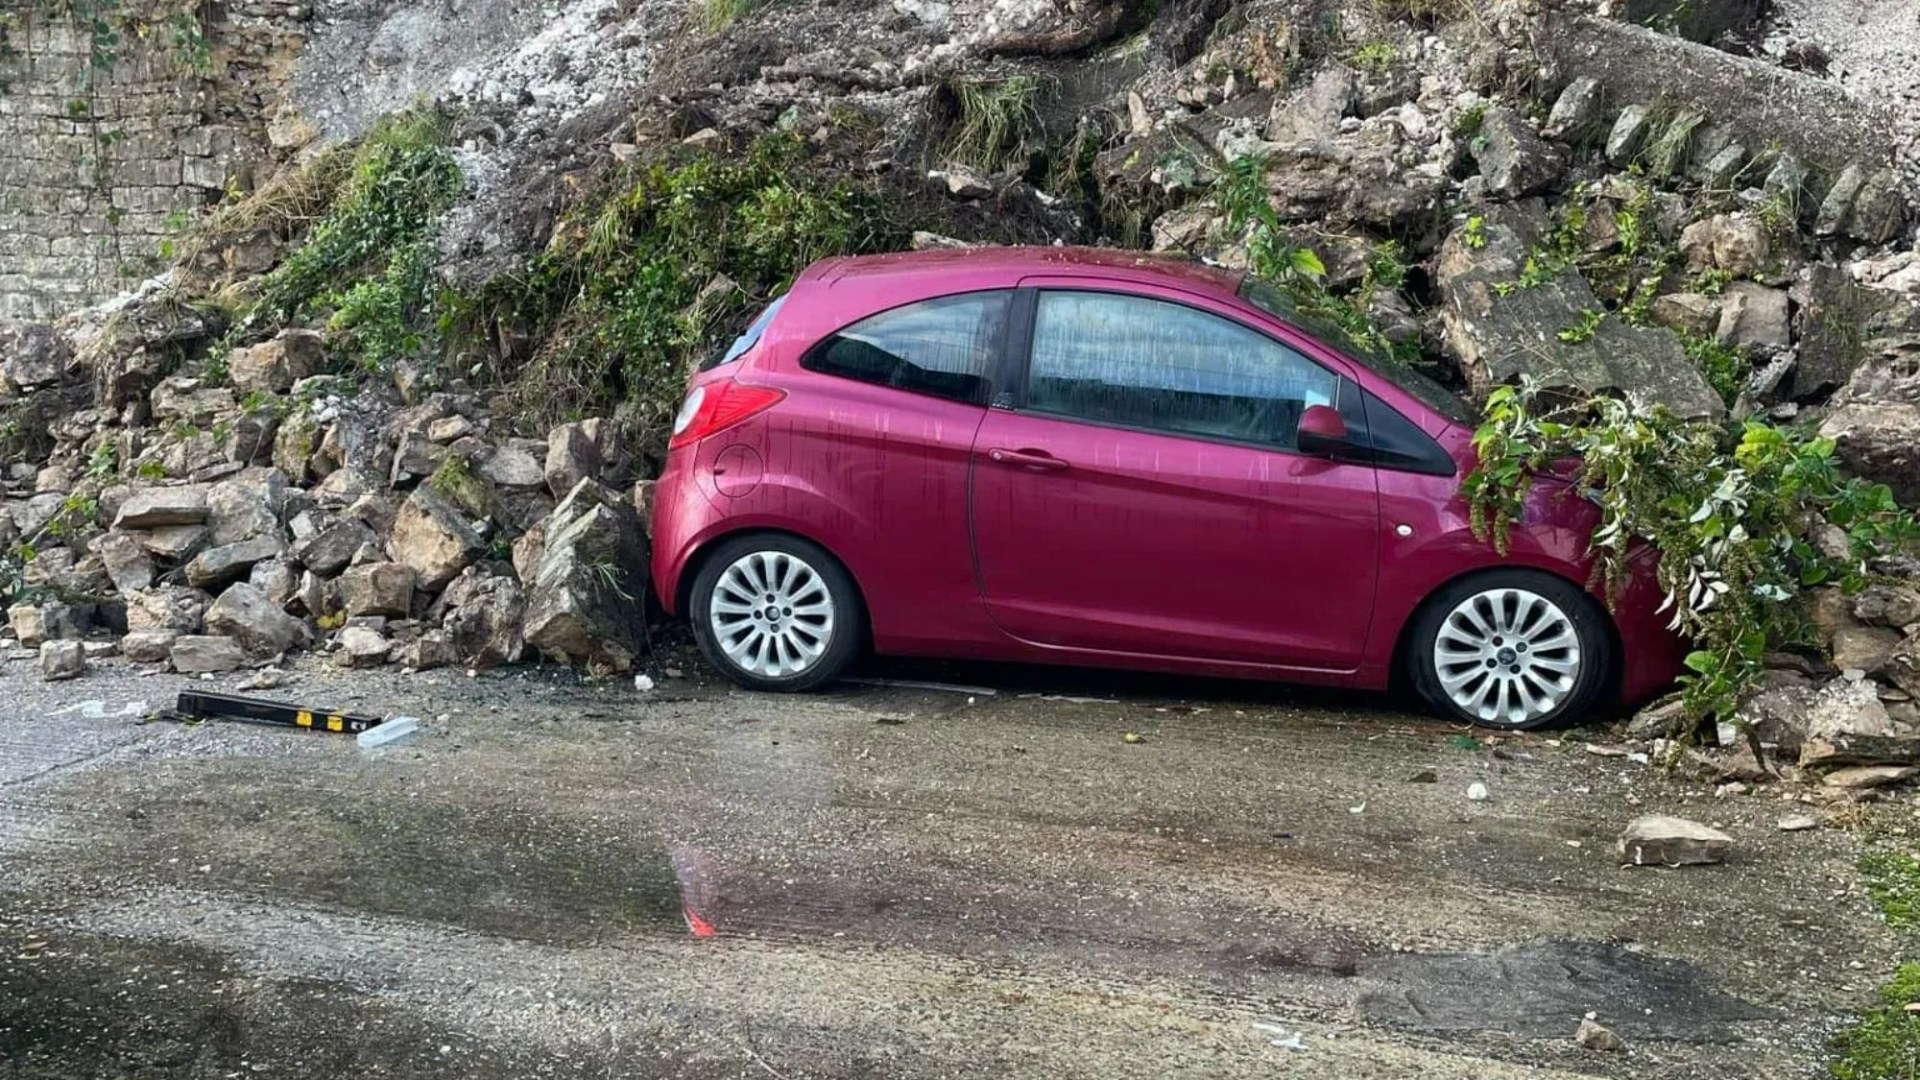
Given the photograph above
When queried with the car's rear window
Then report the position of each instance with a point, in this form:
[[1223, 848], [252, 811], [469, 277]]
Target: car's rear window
[[747, 339]]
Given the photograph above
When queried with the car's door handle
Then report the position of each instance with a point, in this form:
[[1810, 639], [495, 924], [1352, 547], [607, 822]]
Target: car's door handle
[[1030, 459]]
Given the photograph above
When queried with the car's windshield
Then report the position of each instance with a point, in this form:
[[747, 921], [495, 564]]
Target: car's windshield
[[1397, 371]]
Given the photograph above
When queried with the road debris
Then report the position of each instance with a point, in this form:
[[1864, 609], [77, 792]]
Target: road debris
[[1593, 1036], [642, 683], [916, 684], [197, 704], [267, 679], [95, 709], [392, 730], [1478, 792], [1133, 737], [1284, 1038], [1659, 840], [1798, 823], [1424, 776]]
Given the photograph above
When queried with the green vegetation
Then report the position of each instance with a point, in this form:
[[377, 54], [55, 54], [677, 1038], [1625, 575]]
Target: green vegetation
[[1885, 1044], [365, 267], [1583, 328], [999, 121], [717, 15], [1727, 367], [1376, 57], [648, 276], [1732, 508]]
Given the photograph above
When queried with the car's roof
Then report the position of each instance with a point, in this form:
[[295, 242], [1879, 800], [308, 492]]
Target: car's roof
[[1014, 263]]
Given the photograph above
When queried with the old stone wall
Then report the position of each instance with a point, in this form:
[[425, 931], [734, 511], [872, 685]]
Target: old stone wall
[[100, 163]]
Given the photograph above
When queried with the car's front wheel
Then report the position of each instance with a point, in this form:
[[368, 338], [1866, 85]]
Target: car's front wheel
[[776, 612], [1516, 649]]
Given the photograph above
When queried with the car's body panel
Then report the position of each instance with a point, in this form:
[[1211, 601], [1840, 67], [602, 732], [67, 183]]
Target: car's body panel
[[1147, 550]]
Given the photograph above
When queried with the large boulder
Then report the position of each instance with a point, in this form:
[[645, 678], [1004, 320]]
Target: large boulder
[[33, 356], [482, 618], [433, 538], [573, 455], [1881, 443], [1733, 243], [243, 508], [274, 366], [331, 546], [60, 660], [1501, 330], [586, 598], [126, 559], [380, 588], [249, 617], [230, 562], [150, 507], [194, 654], [1514, 160], [1755, 317]]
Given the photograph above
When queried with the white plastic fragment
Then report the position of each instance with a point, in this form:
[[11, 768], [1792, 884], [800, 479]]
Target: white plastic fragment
[[392, 730]]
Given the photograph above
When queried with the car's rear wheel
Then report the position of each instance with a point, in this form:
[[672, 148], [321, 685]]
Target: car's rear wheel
[[1515, 649], [776, 612]]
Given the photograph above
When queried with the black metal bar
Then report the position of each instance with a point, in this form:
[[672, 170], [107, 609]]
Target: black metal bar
[[279, 713]]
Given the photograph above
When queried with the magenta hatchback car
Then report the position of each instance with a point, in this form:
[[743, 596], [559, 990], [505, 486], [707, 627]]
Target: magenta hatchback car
[[1096, 457]]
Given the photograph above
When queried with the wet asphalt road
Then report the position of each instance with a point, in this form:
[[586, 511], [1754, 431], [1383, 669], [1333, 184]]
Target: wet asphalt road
[[558, 879]]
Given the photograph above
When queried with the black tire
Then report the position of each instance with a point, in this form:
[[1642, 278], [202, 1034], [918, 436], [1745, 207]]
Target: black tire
[[1531, 678], [847, 626]]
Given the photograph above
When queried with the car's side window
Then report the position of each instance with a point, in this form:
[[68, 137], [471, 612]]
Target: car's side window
[[1139, 362], [947, 346]]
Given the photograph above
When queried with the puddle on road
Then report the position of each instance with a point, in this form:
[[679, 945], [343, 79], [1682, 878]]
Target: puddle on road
[[1543, 989]]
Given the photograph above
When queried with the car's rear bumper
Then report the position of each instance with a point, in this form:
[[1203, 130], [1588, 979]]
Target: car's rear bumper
[[682, 512]]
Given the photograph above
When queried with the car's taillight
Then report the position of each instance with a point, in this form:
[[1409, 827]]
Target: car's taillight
[[717, 406]]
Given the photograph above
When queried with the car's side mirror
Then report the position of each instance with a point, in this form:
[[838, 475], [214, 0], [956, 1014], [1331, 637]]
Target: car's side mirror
[[1322, 432]]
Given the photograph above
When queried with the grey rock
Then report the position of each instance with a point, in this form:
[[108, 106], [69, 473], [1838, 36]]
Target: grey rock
[[243, 509], [1658, 840], [1718, 172], [1629, 134], [1864, 648], [148, 646], [1787, 179], [32, 356], [415, 456], [381, 588], [450, 428], [174, 543], [1880, 443], [1689, 313], [1514, 160], [187, 400], [432, 537], [230, 562], [584, 601], [483, 619], [1577, 110], [361, 647], [1498, 338], [515, 464], [248, 616], [1592, 1036], [126, 559], [274, 366], [573, 455], [328, 551], [1879, 209], [194, 654], [150, 507], [1837, 207], [430, 650], [1895, 606], [277, 579], [1312, 112], [167, 607], [1862, 777], [26, 623], [60, 660], [1730, 242], [1754, 316]]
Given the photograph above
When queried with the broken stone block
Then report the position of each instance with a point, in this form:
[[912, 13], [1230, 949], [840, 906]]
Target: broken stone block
[[1576, 111], [1753, 316], [1862, 777], [1500, 332], [194, 654], [585, 599], [483, 616], [1689, 313], [243, 509], [27, 625], [415, 456], [1594, 1037], [1864, 648], [432, 537], [60, 660], [174, 543], [1837, 207], [1309, 113], [33, 355], [362, 647], [187, 400], [514, 464], [381, 588], [1896, 606], [1629, 133], [167, 607], [255, 622], [151, 507], [1730, 242], [450, 428], [1879, 209], [1658, 840], [230, 562], [573, 455], [274, 366], [127, 561], [1514, 160], [1879, 443], [328, 551], [148, 646], [428, 651]]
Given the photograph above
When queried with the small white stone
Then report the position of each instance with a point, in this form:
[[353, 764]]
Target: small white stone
[[1477, 793]]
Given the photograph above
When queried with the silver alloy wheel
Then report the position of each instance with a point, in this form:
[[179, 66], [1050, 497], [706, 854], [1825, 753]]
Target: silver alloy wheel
[[1507, 656], [772, 614]]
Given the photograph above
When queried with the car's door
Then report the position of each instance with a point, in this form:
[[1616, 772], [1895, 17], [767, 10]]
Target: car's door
[[1140, 492]]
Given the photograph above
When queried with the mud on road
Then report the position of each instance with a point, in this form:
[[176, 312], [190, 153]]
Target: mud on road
[[898, 882]]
